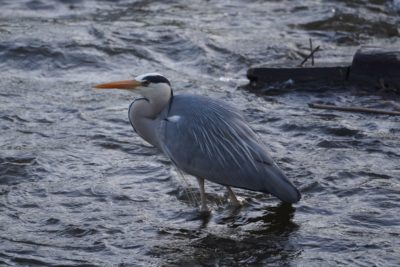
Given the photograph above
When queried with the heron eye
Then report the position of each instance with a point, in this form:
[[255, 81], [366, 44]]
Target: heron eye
[[145, 83]]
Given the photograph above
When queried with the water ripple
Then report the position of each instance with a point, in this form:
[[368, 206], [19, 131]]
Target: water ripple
[[79, 188]]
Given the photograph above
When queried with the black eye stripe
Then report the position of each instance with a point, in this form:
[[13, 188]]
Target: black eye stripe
[[156, 79]]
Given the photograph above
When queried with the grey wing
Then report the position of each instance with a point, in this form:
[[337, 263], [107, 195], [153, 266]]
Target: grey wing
[[210, 139]]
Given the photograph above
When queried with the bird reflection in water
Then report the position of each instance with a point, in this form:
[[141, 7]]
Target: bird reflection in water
[[243, 239]]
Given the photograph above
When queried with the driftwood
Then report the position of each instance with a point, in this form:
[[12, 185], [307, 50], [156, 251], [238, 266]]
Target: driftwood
[[373, 67], [354, 109], [312, 75], [376, 66]]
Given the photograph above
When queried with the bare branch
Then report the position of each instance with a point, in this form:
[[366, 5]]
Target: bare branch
[[310, 55], [354, 109]]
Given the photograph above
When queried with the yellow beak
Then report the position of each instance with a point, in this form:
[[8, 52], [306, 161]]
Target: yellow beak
[[126, 84]]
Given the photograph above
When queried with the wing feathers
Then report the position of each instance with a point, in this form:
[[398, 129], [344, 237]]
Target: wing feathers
[[212, 140]]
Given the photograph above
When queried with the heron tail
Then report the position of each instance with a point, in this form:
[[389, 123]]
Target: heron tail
[[277, 184]]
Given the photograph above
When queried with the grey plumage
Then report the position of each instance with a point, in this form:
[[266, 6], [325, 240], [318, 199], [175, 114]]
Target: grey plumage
[[206, 138], [212, 140]]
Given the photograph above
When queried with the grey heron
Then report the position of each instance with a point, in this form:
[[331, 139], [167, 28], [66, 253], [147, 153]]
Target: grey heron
[[204, 137]]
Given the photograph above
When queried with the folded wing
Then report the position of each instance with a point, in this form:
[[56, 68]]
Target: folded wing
[[210, 139]]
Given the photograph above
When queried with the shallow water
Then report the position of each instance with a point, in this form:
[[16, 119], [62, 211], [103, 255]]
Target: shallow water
[[79, 188]]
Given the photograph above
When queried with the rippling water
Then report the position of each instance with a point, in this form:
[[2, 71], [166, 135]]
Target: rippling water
[[79, 188]]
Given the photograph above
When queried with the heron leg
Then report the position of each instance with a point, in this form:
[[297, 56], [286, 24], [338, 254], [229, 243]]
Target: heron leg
[[202, 195], [232, 197]]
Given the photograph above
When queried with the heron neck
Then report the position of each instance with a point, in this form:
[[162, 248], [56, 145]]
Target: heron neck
[[155, 103], [143, 114], [158, 102]]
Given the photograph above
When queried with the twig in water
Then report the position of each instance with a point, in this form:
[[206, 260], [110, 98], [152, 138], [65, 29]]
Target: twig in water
[[354, 109], [310, 55], [311, 49]]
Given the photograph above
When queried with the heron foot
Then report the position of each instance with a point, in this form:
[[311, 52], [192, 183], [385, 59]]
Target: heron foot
[[204, 209], [203, 198], [233, 199]]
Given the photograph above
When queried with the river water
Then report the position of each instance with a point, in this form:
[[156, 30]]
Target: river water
[[79, 188]]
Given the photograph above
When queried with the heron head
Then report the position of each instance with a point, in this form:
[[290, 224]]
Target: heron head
[[146, 84]]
